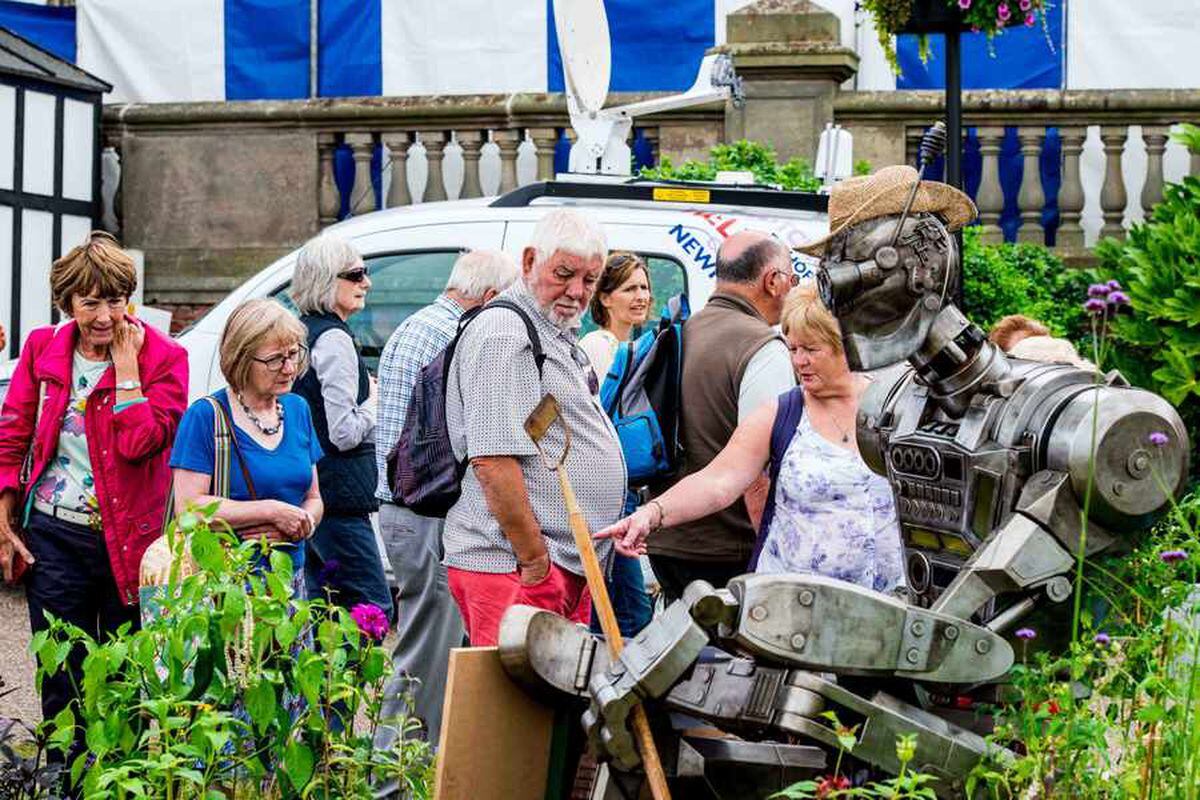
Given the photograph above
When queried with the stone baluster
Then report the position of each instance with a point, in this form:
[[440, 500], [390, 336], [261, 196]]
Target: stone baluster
[[435, 151], [1156, 143], [362, 195], [397, 146], [912, 142], [651, 134], [1031, 198], [471, 142], [544, 139], [328, 201], [110, 188], [1112, 196], [508, 141], [990, 198], [1070, 194]]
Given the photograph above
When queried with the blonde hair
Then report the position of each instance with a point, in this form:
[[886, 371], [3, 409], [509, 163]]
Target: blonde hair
[[98, 266], [804, 311], [251, 325], [617, 269], [1013, 328]]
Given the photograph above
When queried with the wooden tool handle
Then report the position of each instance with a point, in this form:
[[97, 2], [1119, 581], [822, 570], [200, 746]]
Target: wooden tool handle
[[612, 633]]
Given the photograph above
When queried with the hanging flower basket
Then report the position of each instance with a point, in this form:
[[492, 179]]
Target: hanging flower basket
[[924, 17]]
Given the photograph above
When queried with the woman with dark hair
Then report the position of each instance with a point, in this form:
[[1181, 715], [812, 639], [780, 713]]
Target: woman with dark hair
[[85, 433], [622, 302]]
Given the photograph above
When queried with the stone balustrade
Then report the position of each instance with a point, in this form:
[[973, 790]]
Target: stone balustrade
[[1112, 148]]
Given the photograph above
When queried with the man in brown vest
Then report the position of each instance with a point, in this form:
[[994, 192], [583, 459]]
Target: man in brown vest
[[733, 362]]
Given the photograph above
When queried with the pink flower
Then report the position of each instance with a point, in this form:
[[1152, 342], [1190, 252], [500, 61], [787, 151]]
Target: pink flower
[[1029, 20], [1003, 13], [964, 4], [370, 620], [1025, 4]]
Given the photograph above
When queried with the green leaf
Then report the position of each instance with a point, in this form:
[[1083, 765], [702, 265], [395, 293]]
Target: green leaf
[[206, 549], [298, 764], [373, 665], [260, 704], [285, 633]]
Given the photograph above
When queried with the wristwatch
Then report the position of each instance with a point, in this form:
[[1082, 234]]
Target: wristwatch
[[128, 386]]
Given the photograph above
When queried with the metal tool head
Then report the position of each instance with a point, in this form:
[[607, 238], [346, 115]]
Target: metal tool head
[[544, 415]]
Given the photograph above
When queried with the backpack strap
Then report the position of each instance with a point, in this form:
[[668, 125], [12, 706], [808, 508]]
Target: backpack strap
[[535, 341], [787, 419]]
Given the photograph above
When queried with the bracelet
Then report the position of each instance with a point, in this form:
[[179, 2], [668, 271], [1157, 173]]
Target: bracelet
[[662, 515]]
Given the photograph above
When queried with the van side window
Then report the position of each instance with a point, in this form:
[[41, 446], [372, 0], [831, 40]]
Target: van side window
[[667, 278], [401, 283]]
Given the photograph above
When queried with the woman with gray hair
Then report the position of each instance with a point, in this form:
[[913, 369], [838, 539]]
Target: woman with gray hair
[[329, 285]]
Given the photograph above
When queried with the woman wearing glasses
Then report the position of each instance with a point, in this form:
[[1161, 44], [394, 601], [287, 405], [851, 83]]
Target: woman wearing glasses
[[273, 491], [329, 286], [84, 434]]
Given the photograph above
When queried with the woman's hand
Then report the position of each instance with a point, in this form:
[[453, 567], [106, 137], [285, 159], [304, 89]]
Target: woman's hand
[[629, 534], [10, 540], [128, 337], [295, 523], [264, 531]]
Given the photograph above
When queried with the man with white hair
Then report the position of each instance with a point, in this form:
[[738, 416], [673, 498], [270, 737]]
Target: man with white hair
[[507, 538], [429, 624]]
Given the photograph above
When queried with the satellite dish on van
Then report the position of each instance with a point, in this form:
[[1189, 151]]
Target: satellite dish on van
[[601, 134], [582, 27]]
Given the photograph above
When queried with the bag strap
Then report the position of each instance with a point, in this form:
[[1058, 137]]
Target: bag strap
[[223, 429], [787, 419]]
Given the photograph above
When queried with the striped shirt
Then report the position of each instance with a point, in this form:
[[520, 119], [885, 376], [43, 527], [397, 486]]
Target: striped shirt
[[416, 342]]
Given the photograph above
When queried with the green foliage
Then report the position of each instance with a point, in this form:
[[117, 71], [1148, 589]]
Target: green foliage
[[233, 688], [1003, 279], [1158, 264], [743, 155]]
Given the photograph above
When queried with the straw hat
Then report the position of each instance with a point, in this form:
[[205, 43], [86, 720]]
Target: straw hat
[[859, 199]]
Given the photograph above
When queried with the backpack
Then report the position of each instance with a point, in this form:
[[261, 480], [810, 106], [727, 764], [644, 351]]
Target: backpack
[[641, 395], [423, 474]]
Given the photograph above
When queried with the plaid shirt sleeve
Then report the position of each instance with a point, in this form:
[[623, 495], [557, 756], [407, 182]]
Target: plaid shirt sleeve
[[413, 345]]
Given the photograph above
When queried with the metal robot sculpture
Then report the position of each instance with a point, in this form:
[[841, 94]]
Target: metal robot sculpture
[[993, 462]]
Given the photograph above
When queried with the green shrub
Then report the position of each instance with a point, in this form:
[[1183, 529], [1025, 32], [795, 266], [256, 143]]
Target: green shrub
[[1158, 265], [742, 155], [1003, 279]]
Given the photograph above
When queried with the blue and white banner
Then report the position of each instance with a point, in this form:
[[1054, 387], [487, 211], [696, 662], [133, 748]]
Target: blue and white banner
[[187, 50]]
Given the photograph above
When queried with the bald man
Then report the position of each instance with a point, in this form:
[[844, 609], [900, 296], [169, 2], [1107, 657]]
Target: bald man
[[733, 362]]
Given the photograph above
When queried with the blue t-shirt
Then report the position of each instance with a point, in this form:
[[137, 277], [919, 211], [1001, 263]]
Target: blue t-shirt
[[283, 474]]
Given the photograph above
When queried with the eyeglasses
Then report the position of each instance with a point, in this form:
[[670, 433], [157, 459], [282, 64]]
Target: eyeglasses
[[275, 363], [356, 275], [791, 277], [583, 362]]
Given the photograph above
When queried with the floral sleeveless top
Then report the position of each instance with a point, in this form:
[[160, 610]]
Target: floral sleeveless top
[[833, 517]]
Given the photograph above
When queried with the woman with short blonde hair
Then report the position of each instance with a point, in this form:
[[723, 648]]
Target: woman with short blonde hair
[[822, 483], [272, 476]]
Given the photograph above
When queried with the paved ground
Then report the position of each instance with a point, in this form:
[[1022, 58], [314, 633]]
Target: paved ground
[[16, 667]]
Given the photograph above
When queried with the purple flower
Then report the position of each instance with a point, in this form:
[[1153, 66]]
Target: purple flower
[[1171, 556], [1118, 298], [1098, 290], [964, 4], [1158, 439], [329, 571], [1003, 13], [1095, 306], [1114, 285], [1026, 633], [1025, 4], [1103, 639], [370, 620]]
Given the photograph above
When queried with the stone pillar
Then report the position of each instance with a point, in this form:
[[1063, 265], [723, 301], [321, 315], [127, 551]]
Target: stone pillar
[[435, 151], [470, 142], [652, 138], [544, 139], [1070, 194], [328, 201], [791, 61], [1112, 196], [1156, 143], [362, 196], [1031, 198], [508, 141], [990, 197], [397, 145]]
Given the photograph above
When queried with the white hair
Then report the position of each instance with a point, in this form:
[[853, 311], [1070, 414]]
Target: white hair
[[571, 231], [479, 270], [314, 280]]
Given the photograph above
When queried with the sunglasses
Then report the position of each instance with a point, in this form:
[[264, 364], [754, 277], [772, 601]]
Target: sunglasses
[[356, 275]]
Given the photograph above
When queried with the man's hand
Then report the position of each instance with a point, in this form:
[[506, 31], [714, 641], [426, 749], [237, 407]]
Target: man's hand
[[10, 540], [534, 570]]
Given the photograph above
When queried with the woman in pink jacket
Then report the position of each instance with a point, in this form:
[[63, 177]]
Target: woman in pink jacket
[[85, 433]]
